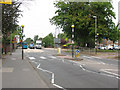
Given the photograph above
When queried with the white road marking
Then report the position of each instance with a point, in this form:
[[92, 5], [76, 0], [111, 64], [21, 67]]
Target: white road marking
[[103, 74], [104, 70], [87, 57], [82, 67], [42, 57], [59, 86], [53, 77], [34, 62], [102, 63], [96, 57], [52, 57], [117, 77], [63, 60], [31, 58]]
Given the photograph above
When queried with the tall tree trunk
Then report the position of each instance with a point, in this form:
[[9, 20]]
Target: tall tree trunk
[[113, 44], [5, 46]]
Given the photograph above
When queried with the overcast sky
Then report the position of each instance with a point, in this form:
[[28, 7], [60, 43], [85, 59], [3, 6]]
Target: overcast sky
[[36, 17]]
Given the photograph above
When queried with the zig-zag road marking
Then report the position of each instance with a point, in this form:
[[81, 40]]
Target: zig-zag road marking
[[53, 77]]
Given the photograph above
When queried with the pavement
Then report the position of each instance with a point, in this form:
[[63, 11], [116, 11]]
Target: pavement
[[18, 73]]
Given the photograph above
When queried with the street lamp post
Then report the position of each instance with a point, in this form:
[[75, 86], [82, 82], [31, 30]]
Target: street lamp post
[[95, 33], [22, 42], [72, 41]]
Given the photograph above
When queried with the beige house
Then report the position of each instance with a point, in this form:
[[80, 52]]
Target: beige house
[[106, 42]]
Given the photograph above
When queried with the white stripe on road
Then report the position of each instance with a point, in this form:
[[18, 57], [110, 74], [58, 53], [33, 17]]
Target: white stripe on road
[[52, 57], [104, 70], [59, 86], [53, 77], [42, 57], [96, 57], [82, 67], [92, 57], [63, 60], [87, 57], [102, 63], [34, 62], [31, 58]]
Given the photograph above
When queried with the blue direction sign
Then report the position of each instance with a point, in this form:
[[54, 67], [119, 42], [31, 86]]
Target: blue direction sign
[[77, 51]]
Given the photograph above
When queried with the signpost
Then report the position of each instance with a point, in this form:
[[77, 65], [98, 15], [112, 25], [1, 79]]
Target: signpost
[[22, 42], [57, 41], [72, 41]]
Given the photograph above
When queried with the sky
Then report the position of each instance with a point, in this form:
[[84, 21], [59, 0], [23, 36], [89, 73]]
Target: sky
[[36, 15]]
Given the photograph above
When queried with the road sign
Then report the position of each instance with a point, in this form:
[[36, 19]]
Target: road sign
[[57, 40], [6, 1], [104, 37], [77, 53]]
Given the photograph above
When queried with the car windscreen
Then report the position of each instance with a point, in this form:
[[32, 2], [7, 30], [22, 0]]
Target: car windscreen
[[38, 43]]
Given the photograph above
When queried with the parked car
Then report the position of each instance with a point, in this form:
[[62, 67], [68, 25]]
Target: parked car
[[31, 46], [25, 45], [38, 44], [103, 48], [99, 47], [118, 47], [109, 47]]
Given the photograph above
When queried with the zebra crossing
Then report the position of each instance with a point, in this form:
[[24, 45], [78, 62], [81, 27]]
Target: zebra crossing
[[42, 57]]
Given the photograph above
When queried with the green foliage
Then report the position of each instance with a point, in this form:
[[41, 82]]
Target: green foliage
[[114, 33], [62, 36], [48, 41], [10, 15], [81, 15], [35, 38], [28, 40]]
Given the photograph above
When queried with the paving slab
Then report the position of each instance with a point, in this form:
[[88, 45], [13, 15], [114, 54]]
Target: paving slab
[[18, 73]]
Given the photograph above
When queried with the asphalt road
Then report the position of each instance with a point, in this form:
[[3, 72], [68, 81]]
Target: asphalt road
[[64, 73]]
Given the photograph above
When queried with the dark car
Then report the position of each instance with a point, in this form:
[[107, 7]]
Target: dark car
[[31, 46]]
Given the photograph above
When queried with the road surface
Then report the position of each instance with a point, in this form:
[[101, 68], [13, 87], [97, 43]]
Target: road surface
[[64, 73]]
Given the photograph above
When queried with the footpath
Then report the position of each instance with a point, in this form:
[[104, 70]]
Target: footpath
[[18, 73]]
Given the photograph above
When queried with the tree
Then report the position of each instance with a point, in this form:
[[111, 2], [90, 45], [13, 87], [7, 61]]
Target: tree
[[10, 14], [35, 38], [114, 33], [63, 38], [81, 15], [48, 41], [28, 40]]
